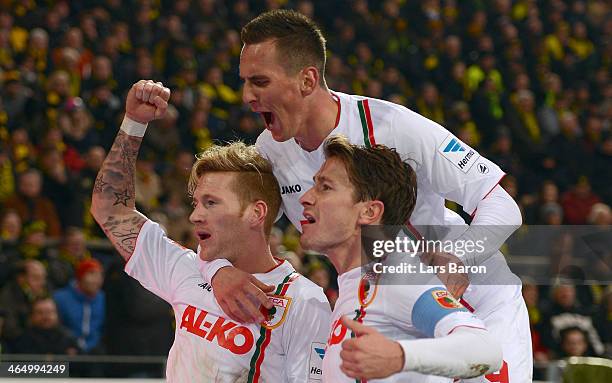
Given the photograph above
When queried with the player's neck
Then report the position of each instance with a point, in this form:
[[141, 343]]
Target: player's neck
[[321, 119], [346, 256], [255, 258]]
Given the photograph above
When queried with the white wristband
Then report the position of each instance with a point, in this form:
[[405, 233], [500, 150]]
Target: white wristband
[[133, 128]]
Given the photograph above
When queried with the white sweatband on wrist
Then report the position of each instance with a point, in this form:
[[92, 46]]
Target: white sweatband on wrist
[[133, 128]]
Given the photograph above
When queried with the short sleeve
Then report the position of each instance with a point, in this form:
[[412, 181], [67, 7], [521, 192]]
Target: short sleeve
[[160, 264]]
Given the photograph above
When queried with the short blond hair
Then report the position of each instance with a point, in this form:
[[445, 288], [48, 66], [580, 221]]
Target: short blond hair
[[254, 179]]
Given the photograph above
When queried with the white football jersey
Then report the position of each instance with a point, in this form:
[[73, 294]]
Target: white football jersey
[[446, 168], [397, 311], [208, 347]]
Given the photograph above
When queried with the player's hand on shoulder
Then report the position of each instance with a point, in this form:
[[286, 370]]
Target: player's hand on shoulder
[[369, 355], [147, 101], [241, 295]]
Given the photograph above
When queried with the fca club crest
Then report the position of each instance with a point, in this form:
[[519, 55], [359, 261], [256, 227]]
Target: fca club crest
[[368, 286], [276, 315], [446, 300]]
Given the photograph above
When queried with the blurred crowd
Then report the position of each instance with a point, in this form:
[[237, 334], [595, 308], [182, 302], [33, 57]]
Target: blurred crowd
[[525, 82]]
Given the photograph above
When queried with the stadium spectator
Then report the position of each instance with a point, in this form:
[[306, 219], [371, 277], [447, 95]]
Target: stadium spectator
[[32, 205], [33, 244], [29, 283], [104, 107], [60, 186], [600, 214], [567, 141], [577, 203], [81, 305], [564, 313], [101, 74], [525, 125], [63, 261], [574, 342], [77, 124], [15, 96], [45, 335], [548, 193], [550, 213], [10, 227], [429, 103]]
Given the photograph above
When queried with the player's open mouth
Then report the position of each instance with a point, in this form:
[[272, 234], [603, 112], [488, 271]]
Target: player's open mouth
[[268, 118], [309, 218], [202, 235]]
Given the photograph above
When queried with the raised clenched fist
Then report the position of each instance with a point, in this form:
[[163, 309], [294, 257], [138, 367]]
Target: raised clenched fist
[[147, 101]]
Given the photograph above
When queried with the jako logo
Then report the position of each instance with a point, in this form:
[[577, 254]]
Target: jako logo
[[453, 146], [237, 339], [288, 189]]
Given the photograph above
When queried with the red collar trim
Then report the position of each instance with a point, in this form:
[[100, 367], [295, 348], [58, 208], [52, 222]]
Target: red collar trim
[[280, 262], [337, 99]]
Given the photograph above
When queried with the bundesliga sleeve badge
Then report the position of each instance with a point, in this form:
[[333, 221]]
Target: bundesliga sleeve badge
[[458, 153]]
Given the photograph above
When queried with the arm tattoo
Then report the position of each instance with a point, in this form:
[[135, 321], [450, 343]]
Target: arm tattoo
[[115, 181], [121, 198], [124, 232], [115, 197], [100, 184]]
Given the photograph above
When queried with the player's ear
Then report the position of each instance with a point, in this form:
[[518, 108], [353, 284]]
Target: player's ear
[[309, 80], [258, 211], [371, 213]]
